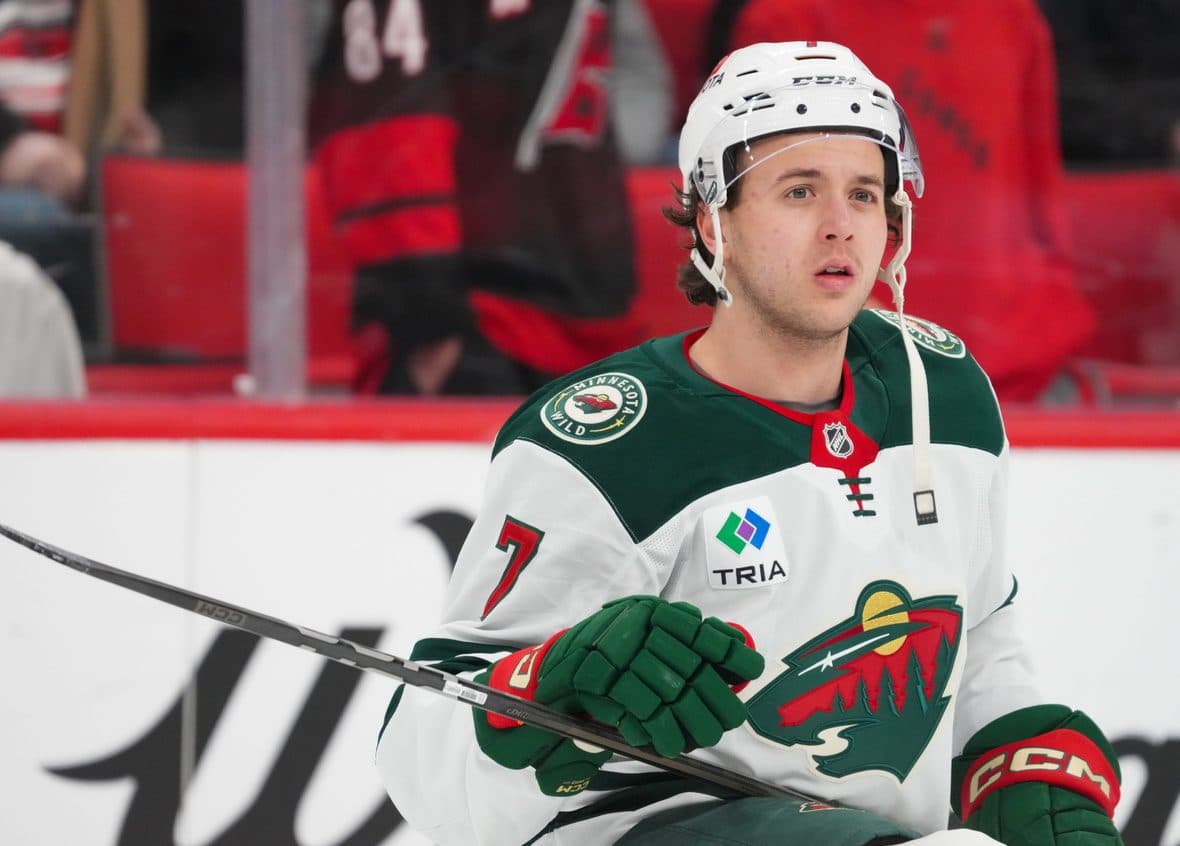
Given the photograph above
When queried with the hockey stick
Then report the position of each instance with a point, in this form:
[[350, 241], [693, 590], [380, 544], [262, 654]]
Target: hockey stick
[[362, 657]]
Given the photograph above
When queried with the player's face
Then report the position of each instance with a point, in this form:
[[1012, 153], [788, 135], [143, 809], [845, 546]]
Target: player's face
[[805, 241]]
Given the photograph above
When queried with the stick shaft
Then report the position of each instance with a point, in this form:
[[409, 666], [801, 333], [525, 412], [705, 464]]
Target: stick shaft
[[362, 657]]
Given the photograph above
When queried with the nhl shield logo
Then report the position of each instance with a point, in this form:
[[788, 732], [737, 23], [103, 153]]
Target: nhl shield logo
[[836, 437]]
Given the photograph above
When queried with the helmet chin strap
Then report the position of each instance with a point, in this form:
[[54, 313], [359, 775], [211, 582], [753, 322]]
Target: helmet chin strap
[[893, 275], [715, 275]]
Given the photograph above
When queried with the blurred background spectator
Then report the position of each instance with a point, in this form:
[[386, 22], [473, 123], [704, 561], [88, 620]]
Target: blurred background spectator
[[40, 171], [478, 253], [992, 252], [196, 68], [71, 84], [641, 85], [40, 351], [107, 80], [1119, 67], [473, 167], [685, 30], [196, 71]]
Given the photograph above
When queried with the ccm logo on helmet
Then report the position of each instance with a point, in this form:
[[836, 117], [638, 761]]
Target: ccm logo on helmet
[[712, 82], [828, 79], [1033, 759]]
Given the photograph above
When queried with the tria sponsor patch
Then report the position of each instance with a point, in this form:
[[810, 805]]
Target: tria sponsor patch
[[596, 410], [744, 547]]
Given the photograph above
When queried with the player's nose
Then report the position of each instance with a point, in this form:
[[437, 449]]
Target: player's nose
[[836, 221]]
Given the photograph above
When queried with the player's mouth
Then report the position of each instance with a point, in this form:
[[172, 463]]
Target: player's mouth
[[835, 276]]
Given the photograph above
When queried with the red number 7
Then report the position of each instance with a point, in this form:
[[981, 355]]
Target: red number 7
[[520, 541]]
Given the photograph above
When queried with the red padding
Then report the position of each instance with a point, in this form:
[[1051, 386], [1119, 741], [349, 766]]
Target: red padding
[[473, 420], [188, 380], [395, 420], [174, 240], [517, 674], [1062, 757], [749, 639], [1092, 429], [398, 158]]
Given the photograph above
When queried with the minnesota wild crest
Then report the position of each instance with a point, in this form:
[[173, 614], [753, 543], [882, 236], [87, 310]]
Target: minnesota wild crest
[[869, 692], [596, 410]]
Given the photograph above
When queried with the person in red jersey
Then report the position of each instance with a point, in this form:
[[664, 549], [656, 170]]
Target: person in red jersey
[[471, 167], [980, 85]]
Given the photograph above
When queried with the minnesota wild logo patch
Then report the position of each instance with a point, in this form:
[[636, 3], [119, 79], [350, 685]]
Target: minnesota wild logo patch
[[926, 334], [868, 693], [596, 410]]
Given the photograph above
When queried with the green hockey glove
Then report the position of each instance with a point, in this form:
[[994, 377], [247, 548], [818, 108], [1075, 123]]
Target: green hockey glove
[[655, 670], [1039, 776], [562, 767]]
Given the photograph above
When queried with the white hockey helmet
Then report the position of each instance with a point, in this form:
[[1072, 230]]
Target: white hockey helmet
[[794, 86]]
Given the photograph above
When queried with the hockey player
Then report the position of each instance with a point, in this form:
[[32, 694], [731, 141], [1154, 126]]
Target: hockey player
[[777, 541], [471, 168]]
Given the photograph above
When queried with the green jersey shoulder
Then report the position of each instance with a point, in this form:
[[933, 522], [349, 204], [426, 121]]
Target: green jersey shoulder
[[963, 406], [653, 434]]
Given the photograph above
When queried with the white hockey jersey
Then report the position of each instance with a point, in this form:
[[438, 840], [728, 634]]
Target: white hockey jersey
[[887, 644]]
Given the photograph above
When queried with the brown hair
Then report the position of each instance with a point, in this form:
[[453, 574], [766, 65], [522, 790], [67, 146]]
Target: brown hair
[[683, 213]]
